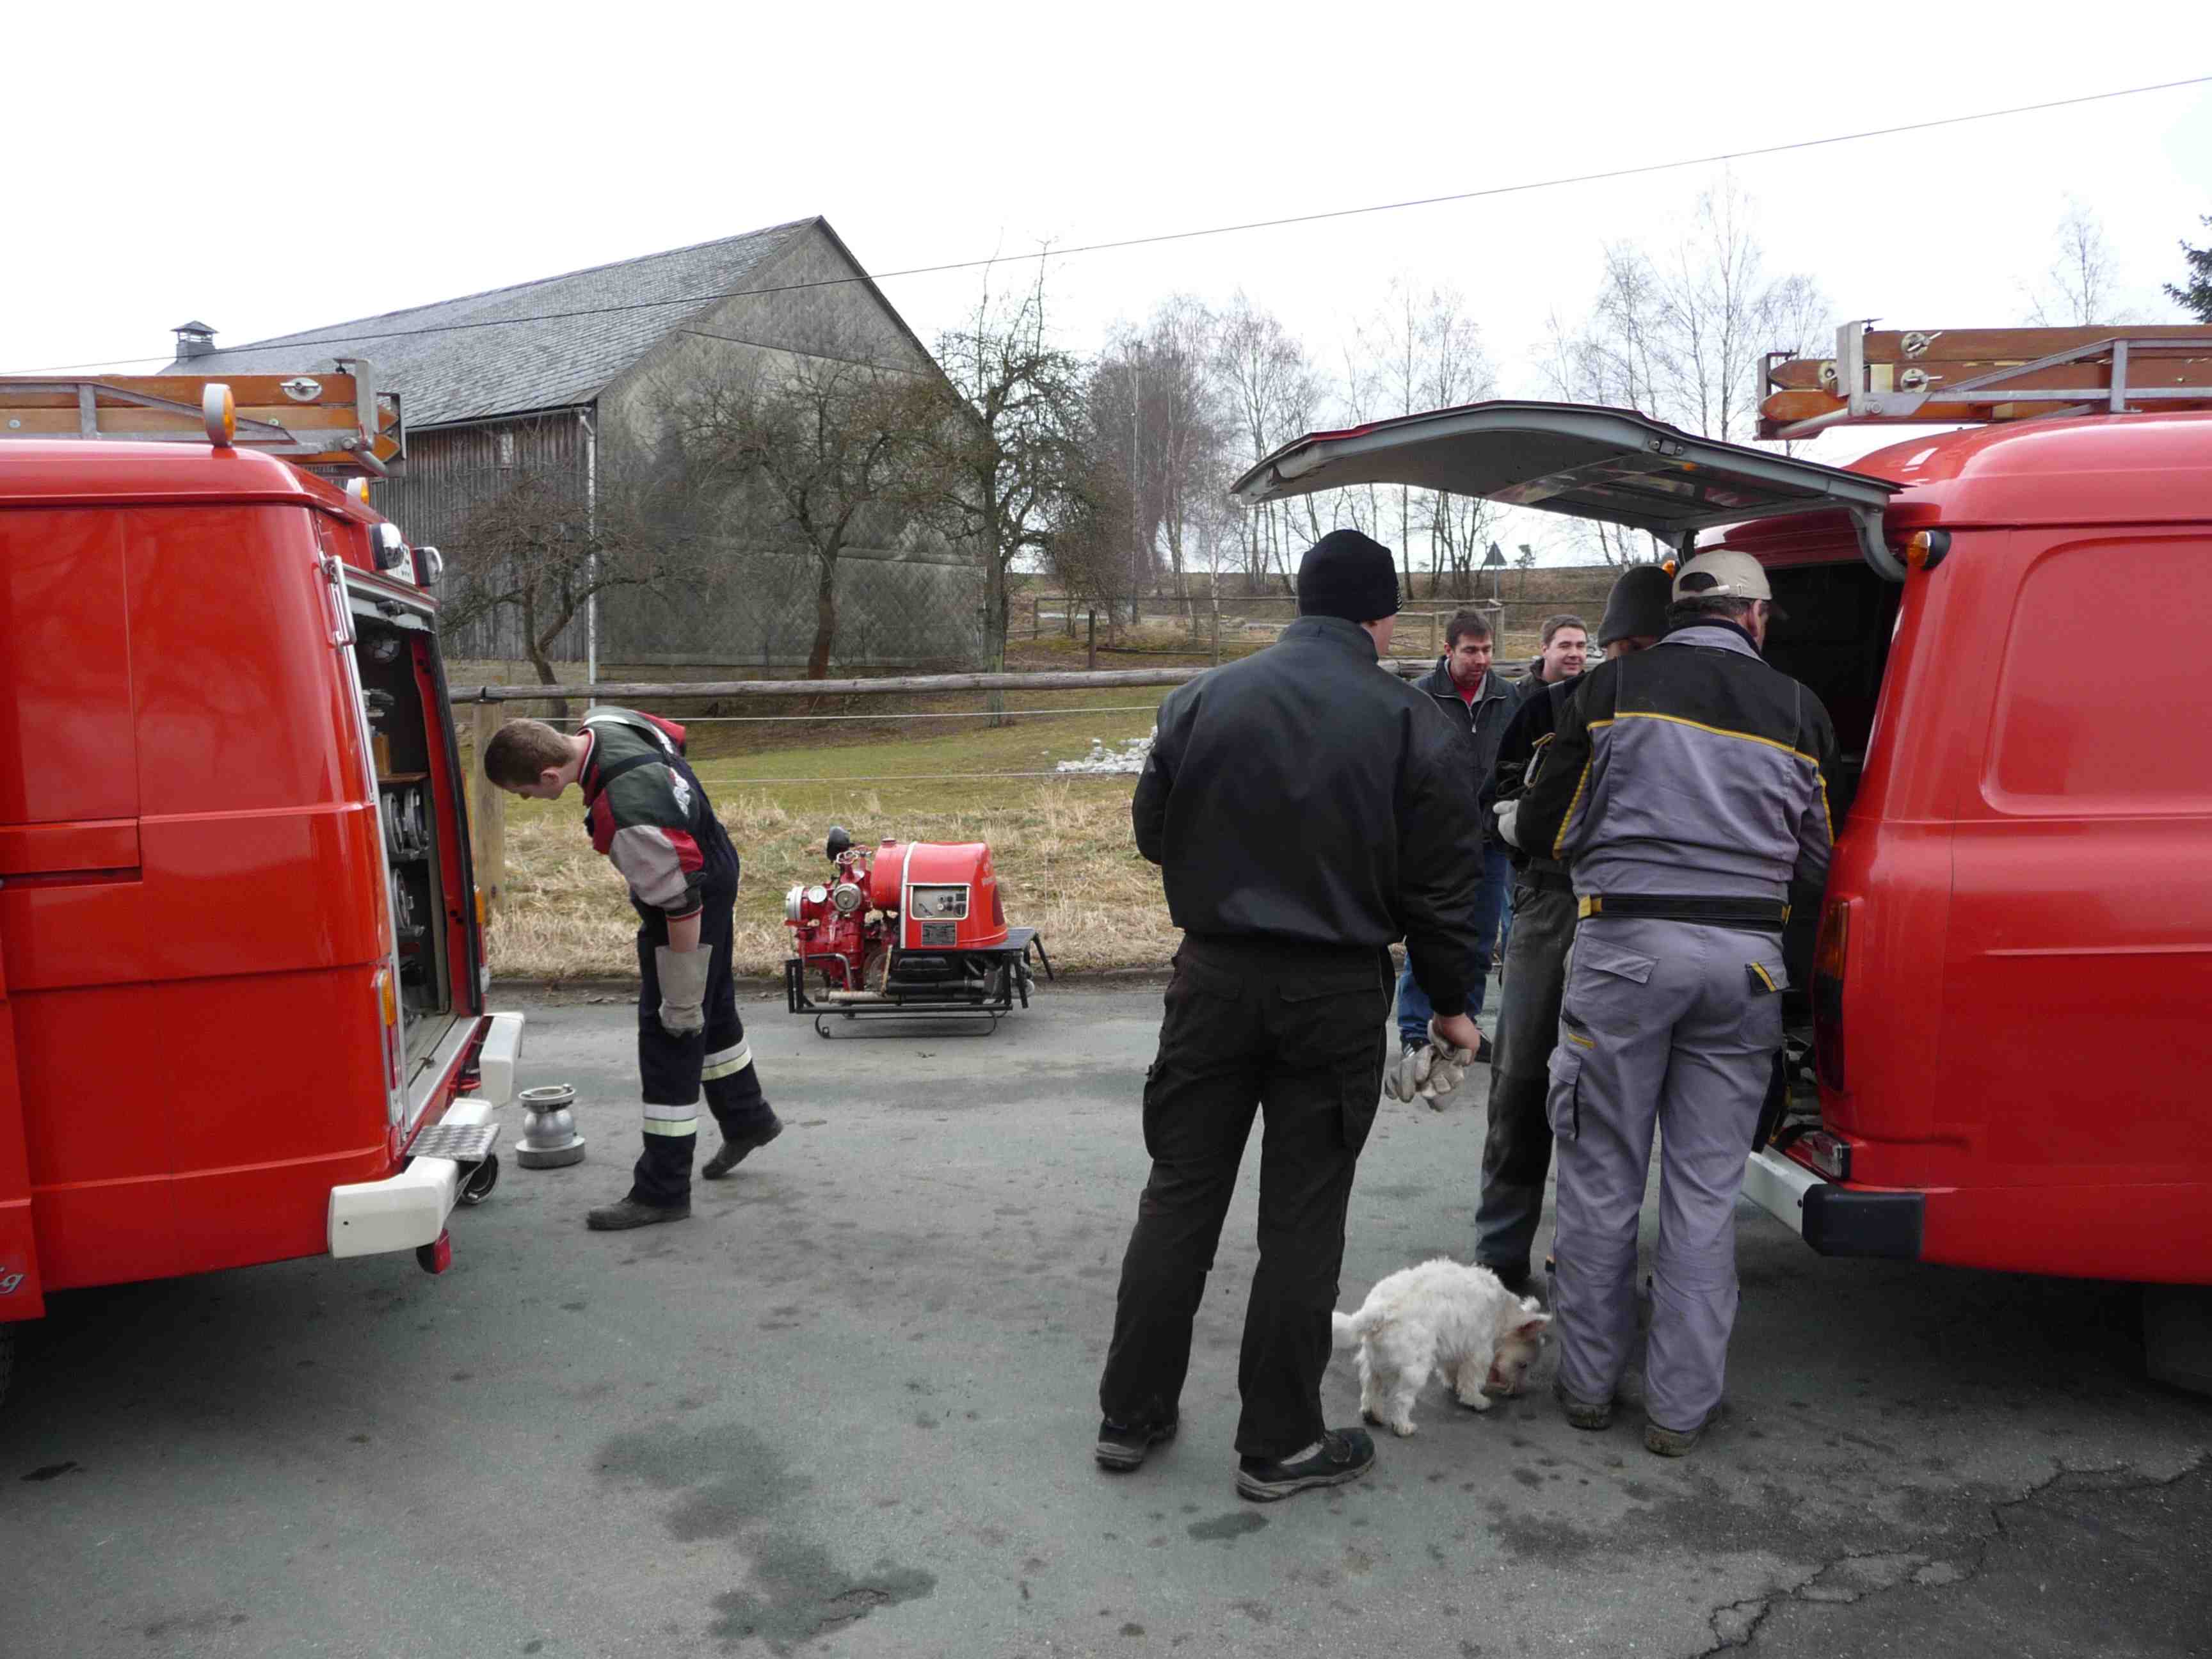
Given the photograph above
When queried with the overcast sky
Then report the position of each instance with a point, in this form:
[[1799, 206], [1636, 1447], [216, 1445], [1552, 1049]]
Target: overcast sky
[[274, 168]]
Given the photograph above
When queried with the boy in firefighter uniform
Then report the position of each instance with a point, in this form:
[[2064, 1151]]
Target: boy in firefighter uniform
[[1687, 789], [646, 812]]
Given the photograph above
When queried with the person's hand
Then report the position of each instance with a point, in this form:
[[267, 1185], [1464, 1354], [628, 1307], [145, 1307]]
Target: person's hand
[[1454, 1042], [683, 975], [1506, 812]]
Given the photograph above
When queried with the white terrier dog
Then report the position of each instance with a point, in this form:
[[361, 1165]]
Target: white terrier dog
[[1441, 1315]]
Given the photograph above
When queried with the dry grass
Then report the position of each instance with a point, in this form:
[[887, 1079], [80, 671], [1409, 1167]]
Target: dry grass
[[1062, 850]]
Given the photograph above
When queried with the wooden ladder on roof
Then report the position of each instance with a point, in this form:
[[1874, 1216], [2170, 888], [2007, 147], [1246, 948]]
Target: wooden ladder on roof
[[334, 422], [1967, 375]]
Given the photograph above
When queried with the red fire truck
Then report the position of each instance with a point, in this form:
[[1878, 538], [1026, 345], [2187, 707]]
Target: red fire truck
[[241, 960], [2007, 984]]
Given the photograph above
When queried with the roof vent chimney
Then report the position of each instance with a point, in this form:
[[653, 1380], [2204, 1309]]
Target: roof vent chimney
[[194, 339]]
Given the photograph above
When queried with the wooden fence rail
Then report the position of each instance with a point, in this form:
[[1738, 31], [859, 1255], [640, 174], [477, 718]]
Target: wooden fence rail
[[487, 811]]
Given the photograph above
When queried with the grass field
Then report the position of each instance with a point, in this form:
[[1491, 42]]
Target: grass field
[[1061, 845]]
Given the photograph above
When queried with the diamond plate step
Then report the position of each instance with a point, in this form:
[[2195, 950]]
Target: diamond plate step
[[464, 1143]]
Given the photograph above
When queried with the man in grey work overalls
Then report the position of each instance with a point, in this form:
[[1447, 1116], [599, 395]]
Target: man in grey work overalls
[[1686, 789]]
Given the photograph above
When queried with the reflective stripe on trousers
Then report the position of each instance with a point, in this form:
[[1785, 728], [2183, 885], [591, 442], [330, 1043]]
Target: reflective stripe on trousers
[[1663, 1025]]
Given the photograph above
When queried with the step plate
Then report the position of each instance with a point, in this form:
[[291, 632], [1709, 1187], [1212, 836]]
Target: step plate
[[464, 1143]]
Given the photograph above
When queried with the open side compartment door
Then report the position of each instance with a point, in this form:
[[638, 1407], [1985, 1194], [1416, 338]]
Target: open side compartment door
[[20, 1296], [1582, 461]]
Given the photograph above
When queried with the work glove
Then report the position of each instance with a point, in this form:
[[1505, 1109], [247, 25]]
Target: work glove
[[1404, 1078], [683, 989], [1506, 811], [1447, 1069]]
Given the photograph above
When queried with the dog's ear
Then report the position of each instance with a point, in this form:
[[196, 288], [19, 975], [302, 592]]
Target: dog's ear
[[1530, 1329], [1529, 1305]]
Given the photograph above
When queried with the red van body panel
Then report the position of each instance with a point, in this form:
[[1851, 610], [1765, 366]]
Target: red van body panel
[[196, 935], [2026, 1002]]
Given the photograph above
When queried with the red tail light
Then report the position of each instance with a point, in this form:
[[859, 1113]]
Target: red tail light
[[1828, 960]]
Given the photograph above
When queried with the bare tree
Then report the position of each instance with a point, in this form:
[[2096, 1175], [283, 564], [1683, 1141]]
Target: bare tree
[[816, 457], [541, 550], [1003, 462], [2081, 286], [1681, 334], [1271, 393], [1159, 419], [1421, 351]]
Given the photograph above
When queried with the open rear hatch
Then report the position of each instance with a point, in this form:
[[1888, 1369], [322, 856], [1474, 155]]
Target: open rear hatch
[[1586, 462]]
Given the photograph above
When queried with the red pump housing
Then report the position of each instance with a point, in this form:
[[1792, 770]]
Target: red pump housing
[[913, 927]]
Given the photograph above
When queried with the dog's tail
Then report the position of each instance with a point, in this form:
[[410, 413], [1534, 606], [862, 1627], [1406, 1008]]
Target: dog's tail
[[1349, 1331]]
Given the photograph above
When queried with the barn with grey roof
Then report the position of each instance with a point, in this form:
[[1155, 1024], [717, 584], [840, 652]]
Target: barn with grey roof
[[565, 379]]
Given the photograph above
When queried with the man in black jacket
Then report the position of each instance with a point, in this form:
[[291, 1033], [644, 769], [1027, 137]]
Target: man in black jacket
[[1306, 808], [1516, 1147], [1465, 689]]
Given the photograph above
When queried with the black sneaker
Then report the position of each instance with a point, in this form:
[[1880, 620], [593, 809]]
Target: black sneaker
[[1344, 1454], [736, 1149], [1123, 1447], [618, 1218]]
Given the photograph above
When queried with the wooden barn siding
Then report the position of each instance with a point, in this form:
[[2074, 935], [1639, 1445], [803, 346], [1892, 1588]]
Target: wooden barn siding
[[451, 471]]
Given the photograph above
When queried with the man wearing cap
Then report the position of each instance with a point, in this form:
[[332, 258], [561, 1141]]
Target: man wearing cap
[[1686, 788], [1517, 1147], [1306, 808]]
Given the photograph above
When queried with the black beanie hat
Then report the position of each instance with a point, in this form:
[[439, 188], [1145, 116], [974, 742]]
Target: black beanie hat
[[1349, 575], [1638, 604]]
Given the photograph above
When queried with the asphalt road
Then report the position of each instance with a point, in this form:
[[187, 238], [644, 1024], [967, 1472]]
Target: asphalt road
[[848, 1409]]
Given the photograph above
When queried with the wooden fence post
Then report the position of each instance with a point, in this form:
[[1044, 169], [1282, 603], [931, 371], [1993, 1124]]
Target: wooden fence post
[[488, 822], [1091, 650]]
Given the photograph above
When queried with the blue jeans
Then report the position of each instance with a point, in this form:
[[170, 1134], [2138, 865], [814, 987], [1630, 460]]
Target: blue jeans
[[1414, 1009]]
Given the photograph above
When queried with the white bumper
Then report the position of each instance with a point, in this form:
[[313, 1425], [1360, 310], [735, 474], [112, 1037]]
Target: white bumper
[[410, 1209], [1778, 1186]]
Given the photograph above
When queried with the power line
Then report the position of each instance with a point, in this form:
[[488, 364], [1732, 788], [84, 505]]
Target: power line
[[1319, 217]]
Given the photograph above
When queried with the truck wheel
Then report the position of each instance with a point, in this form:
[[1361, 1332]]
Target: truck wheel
[[481, 1180]]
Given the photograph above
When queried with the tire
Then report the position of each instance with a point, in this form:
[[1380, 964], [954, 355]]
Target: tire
[[481, 1180]]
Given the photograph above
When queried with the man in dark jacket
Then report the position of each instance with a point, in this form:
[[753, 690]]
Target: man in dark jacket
[[1466, 690], [1516, 1147], [1687, 790], [1306, 809]]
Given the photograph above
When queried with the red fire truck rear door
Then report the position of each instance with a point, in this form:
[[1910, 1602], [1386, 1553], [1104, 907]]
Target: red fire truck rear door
[[19, 1251]]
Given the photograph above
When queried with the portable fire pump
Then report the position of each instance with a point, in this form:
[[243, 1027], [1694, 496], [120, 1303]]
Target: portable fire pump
[[912, 928]]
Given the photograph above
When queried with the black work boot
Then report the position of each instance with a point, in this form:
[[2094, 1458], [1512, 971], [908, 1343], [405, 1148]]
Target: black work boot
[[629, 1213], [736, 1148], [1343, 1455]]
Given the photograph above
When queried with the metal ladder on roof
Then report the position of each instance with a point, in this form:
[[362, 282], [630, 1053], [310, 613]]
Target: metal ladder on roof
[[1965, 376], [334, 422]]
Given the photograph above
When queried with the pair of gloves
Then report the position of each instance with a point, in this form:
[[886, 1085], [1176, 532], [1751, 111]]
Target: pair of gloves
[[1428, 1072], [683, 989]]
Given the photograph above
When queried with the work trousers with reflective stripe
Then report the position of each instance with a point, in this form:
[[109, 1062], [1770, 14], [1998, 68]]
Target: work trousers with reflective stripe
[[1672, 1024], [674, 1071], [1517, 1145], [1295, 1033]]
